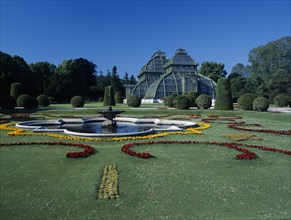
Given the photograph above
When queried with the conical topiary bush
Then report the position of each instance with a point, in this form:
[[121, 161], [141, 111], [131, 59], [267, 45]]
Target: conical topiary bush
[[16, 90], [223, 99], [109, 99]]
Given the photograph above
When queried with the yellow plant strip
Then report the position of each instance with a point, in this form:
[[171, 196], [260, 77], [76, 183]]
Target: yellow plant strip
[[109, 183], [22, 132]]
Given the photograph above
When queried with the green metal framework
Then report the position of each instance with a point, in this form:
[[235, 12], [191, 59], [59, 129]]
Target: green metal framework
[[161, 77]]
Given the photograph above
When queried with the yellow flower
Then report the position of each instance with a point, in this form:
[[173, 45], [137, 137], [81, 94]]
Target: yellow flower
[[21, 132]]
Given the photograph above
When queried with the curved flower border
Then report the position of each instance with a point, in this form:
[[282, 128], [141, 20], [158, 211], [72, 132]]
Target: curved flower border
[[219, 119], [88, 150], [246, 154], [239, 127]]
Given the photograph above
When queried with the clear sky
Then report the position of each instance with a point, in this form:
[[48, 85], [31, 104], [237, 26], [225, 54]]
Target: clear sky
[[127, 33]]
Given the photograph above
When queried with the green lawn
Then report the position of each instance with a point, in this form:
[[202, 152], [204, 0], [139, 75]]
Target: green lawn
[[180, 182]]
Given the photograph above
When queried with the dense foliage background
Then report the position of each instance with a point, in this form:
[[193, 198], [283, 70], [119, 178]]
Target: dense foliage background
[[268, 74]]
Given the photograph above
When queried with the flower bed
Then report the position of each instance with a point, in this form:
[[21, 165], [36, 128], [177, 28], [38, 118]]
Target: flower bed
[[109, 183], [241, 127], [222, 120], [231, 121], [88, 150], [193, 115], [19, 116], [21, 132], [246, 155]]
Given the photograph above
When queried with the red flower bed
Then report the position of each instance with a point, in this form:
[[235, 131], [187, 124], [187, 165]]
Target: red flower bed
[[88, 150], [193, 115], [239, 127], [157, 116], [19, 116], [3, 121], [246, 154], [221, 120]]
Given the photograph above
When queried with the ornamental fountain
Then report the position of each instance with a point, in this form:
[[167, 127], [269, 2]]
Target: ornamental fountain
[[109, 115], [107, 125]]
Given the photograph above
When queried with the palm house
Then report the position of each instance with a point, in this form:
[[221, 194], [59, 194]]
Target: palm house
[[160, 77]]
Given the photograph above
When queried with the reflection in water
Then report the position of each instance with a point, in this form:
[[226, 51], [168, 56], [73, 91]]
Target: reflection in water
[[96, 127]]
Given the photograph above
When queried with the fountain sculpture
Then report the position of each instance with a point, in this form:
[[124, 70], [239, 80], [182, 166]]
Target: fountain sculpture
[[109, 115], [106, 126]]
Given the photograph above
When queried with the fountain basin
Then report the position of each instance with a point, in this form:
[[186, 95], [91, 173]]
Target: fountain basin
[[92, 127]]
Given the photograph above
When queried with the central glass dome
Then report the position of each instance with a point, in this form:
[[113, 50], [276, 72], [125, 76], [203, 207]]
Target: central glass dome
[[161, 77]]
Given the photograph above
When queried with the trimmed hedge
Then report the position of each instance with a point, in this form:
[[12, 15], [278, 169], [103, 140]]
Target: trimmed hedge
[[223, 99], [118, 97], [261, 104], [203, 101], [43, 100], [109, 99], [27, 101], [282, 100], [193, 98], [169, 100], [182, 102], [246, 101], [7, 102], [16, 90], [133, 101], [77, 102]]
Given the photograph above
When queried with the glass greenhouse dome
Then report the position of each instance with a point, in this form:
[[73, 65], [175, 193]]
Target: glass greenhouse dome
[[161, 77]]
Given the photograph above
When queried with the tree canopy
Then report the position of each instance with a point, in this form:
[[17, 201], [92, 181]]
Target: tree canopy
[[72, 77], [271, 67], [213, 70]]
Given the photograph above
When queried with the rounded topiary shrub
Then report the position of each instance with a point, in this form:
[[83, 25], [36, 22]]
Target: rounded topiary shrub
[[7, 102], [223, 100], [271, 98], [182, 102], [77, 102], [43, 100], [16, 90], [194, 96], [27, 101], [246, 101], [261, 104], [169, 100], [118, 97], [133, 101], [282, 100], [100, 99], [51, 99], [203, 101], [109, 99]]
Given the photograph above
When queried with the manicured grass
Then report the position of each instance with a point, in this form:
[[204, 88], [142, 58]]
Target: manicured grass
[[181, 182]]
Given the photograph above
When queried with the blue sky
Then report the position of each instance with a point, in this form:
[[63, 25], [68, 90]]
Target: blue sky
[[127, 33]]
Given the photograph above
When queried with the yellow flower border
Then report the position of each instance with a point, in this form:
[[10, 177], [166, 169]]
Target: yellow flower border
[[109, 183], [22, 132]]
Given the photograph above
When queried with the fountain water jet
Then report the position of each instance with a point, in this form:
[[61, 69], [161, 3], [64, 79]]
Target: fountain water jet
[[109, 114]]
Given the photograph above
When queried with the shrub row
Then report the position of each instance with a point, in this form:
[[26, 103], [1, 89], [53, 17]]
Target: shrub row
[[186, 101], [250, 101], [24, 100]]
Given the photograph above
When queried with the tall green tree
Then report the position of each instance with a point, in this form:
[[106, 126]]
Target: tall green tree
[[126, 78], [41, 73], [241, 70], [13, 69], [75, 77], [271, 67], [132, 80], [116, 82], [240, 81], [213, 70]]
